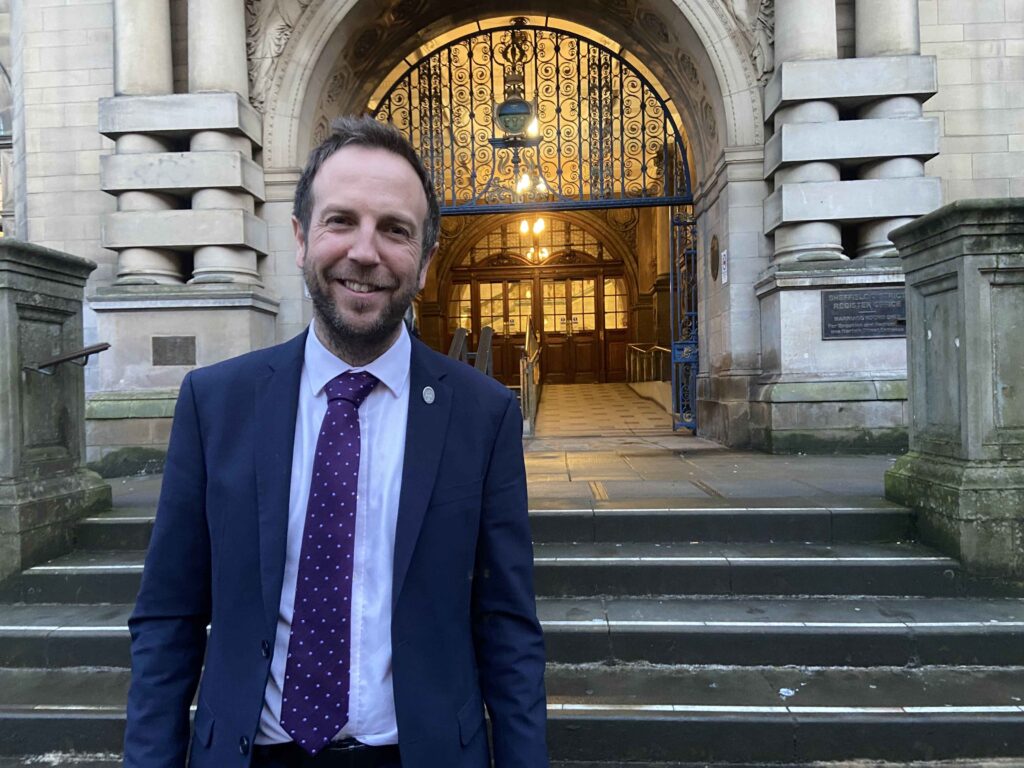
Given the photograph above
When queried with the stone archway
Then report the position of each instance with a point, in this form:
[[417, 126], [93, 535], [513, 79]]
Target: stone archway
[[305, 53]]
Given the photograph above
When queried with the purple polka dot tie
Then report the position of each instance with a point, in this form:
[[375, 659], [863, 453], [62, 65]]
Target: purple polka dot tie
[[314, 705]]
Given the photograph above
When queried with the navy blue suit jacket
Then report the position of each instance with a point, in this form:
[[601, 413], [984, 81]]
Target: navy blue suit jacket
[[464, 628]]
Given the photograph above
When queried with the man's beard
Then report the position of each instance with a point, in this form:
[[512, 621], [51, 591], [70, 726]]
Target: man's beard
[[357, 344]]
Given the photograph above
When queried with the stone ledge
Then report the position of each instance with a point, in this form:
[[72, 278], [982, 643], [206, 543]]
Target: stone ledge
[[140, 404], [179, 115], [181, 173], [20, 260], [184, 230], [850, 82], [982, 227], [831, 391], [859, 273], [130, 298], [855, 200], [851, 142]]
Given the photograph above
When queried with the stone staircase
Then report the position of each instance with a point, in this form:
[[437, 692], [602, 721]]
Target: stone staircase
[[695, 636]]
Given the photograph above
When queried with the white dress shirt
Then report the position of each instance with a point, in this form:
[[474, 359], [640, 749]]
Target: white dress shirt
[[382, 425]]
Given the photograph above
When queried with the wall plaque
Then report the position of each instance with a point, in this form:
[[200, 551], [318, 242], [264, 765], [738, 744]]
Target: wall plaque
[[863, 313], [174, 350]]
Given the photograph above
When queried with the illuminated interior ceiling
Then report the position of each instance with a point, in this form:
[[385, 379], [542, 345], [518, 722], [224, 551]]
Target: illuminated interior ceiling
[[537, 112]]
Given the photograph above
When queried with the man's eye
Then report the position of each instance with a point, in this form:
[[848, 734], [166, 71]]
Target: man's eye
[[399, 230], [338, 220]]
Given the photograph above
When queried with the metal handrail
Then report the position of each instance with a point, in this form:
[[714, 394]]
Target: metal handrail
[[530, 378], [78, 357], [649, 363]]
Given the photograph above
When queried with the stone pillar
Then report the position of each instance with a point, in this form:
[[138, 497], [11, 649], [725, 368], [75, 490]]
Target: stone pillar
[[964, 474], [43, 487], [142, 67], [806, 30], [899, 35], [217, 62]]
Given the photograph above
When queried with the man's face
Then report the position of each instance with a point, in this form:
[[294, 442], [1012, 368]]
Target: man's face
[[362, 257]]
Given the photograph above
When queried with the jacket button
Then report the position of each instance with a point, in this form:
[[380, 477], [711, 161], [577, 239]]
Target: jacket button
[[243, 745], [265, 649]]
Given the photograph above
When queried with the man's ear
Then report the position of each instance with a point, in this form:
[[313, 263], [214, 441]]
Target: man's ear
[[425, 265], [300, 242]]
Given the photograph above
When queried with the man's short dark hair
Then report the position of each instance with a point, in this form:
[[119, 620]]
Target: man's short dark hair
[[364, 131]]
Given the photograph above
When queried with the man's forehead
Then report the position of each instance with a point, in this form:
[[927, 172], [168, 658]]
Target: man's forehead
[[359, 167]]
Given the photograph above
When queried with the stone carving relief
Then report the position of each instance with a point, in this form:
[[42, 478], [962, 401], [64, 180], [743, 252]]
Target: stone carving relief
[[269, 25], [762, 54]]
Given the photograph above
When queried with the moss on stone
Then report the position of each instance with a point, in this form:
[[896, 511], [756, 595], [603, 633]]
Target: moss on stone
[[130, 461]]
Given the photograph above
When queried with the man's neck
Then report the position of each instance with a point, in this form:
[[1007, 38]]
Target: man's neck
[[355, 355]]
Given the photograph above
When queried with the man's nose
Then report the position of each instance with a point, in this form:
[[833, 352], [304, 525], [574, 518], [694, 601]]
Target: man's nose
[[363, 248]]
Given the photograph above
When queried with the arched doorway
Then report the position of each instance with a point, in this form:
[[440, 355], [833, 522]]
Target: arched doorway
[[529, 119], [552, 275], [327, 59]]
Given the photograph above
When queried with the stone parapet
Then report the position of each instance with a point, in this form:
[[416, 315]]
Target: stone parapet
[[853, 200], [849, 83], [181, 173], [180, 115], [851, 142], [43, 486], [965, 314], [184, 230]]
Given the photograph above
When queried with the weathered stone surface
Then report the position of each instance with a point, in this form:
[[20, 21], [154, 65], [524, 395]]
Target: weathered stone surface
[[850, 200], [180, 114], [184, 229], [851, 141], [181, 173], [965, 318], [850, 82], [43, 488]]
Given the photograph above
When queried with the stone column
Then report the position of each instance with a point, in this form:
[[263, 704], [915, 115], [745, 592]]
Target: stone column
[[142, 67], [806, 30], [217, 62], [899, 35], [964, 474]]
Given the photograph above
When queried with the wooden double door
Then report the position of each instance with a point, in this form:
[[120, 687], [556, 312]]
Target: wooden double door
[[571, 314]]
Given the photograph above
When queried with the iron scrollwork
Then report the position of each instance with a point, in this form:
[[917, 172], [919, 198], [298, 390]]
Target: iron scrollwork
[[605, 135]]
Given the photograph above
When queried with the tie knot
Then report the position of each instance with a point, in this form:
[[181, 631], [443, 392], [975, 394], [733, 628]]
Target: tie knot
[[352, 386]]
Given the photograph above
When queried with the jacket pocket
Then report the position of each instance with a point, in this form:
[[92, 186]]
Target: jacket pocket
[[471, 718], [203, 725]]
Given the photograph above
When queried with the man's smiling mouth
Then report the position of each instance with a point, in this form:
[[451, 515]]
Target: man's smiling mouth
[[352, 285]]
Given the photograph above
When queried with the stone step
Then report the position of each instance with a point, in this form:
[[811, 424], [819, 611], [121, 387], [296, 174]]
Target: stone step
[[658, 521], [653, 521], [64, 635], [646, 714], [758, 631], [580, 570], [79, 577], [698, 568], [733, 631], [721, 715], [119, 528]]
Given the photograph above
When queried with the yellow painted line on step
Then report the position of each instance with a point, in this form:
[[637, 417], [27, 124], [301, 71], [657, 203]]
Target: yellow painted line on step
[[600, 492]]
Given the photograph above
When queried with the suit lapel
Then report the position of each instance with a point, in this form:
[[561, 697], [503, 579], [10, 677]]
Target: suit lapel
[[276, 404], [425, 434]]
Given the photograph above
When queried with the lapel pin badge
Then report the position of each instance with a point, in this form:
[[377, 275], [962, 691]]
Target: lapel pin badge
[[428, 395]]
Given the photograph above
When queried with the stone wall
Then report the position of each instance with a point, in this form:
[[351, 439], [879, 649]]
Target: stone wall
[[66, 67], [980, 103]]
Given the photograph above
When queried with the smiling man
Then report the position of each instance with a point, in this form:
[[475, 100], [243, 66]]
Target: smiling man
[[346, 514]]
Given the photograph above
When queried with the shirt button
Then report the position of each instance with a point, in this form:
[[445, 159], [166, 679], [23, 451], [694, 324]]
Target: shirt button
[[243, 745], [265, 649]]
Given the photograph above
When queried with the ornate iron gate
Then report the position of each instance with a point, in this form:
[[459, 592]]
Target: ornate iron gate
[[683, 291], [530, 118]]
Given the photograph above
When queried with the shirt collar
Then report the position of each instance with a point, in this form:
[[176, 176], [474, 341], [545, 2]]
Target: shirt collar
[[391, 368]]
